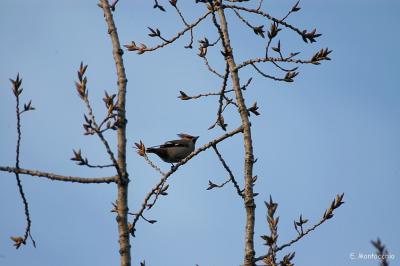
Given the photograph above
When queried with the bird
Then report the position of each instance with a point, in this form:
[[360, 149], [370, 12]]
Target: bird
[[174, 151]]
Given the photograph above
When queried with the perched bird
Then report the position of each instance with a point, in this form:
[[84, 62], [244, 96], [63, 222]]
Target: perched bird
[[174, 151]]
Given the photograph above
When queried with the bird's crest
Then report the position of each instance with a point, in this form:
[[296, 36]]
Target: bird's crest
[[186, 136]]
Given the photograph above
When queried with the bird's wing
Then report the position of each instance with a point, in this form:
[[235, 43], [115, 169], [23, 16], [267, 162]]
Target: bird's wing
[[174, 143]]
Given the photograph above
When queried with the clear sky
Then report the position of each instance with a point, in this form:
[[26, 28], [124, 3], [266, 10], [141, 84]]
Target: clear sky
[[335, 129]]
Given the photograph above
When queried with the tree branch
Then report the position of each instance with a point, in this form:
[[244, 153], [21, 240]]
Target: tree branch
[[273, 59], [307, 36], [184, 22], [232, 177], [123, 179], [101, 136], [56, 177], [266, 75], [143, 48], [381, 252], [17, 92], [212, 70], [248, 144], [328, 214]]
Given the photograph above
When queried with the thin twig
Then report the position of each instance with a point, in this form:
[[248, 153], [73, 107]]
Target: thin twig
[[220, 119], [82, 161], [243, 20], [157, 5], [259, 5], [284, 69], [223, 88], [295, 8], [273, 59], [267, 48], [108, 117], [99, 166], [381, 251], [113, 5], [153, 165], [101, 136], [232, 177], [336, 203], [184, 97], [212, 185], [303, 33], [143, 48], [157, 194], [244, 87], [212, 70], [300, 236], [190, 45], [187, 97], [17, 91], [91, 125], [266, 75], [237, 1]]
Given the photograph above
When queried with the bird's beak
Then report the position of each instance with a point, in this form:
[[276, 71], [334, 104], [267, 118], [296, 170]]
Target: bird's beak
[[195, 139]]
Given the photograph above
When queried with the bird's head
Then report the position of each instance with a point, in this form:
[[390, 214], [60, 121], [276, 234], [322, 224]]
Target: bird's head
[[188, 137]]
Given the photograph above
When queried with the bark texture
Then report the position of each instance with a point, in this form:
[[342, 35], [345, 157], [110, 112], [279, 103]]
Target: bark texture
[[248, 145], [123, 179]]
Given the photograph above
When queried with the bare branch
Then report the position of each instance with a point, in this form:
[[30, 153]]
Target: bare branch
[[57, 177], [123, 177], [294, 9], [153, 165], [212, 70], [157, 5], [220, 119], [91, 125], [141, 150], [174, 4], [271, 240], [258, 30], [336, 203], [266, 75], [247, 138], [381, 251], [17, 92], [99, 165], [143, 48], [212, 185], [183, 96], [232, 177], [113, 5], [260, 4], [273, 59], [101, 136], [307, 36], [80, 160]]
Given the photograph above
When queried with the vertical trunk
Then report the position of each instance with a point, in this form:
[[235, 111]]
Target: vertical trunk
[[122, 219], [248, 146]]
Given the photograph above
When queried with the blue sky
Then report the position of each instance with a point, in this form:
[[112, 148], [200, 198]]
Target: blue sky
[[335, 129]]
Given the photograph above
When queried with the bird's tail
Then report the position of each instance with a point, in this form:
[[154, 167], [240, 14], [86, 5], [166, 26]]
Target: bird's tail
[[163, 153], [151, 150]]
